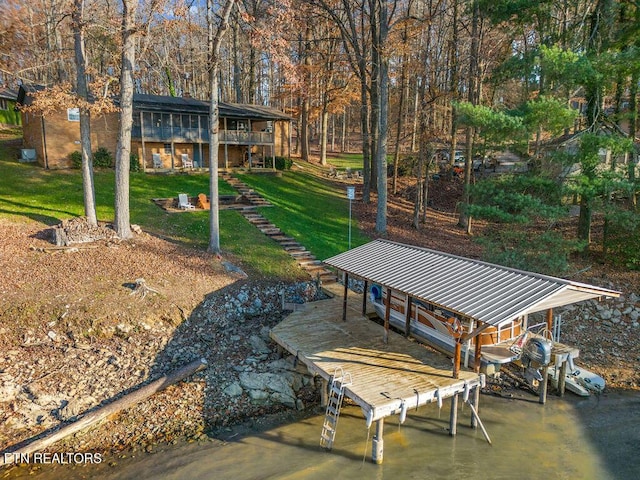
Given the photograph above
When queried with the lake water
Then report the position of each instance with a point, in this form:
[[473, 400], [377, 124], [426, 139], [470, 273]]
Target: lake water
[[571, 438]]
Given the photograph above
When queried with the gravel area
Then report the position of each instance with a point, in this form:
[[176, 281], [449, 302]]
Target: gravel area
[[76, 334]]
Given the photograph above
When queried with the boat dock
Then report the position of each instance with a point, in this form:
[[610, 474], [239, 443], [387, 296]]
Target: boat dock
[[384, 378]]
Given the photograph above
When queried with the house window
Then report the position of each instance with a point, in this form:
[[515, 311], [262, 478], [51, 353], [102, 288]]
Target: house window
[[236, 125], [73, 114], [167, 148], [3, 104]]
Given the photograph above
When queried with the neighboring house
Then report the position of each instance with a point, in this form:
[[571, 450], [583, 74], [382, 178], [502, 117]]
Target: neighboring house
[[570, 145], [8, 113], [167, 131]]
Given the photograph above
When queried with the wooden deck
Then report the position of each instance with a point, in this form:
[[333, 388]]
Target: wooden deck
[[384, 376]]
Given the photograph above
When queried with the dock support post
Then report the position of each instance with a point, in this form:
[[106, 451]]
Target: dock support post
[[453, 417], [543, 385], [387, 314], [344, 301], [477, 357], [407, 316], [364, 298], [550, 321], [562, 378], [378, 443], [476, 401], [324, 393], [456, 359]]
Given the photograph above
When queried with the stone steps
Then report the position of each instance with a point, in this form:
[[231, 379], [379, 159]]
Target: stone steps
[[307, 261]]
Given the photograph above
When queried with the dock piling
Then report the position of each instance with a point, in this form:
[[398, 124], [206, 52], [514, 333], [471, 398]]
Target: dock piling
[[377, 447], [453, 417]]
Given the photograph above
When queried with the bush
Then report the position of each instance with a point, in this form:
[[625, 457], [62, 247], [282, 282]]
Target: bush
[[546, 253], [622, 238], [406, 166], [76, 159], [102, 158], [134, 163], [282, 163]]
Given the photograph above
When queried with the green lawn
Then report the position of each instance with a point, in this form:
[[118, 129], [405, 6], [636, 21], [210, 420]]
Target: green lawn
[[50, 196], [309, 209], [305, 206], [343, 161]]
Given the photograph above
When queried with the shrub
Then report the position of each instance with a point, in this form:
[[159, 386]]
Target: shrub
[[622, 238], [76, 159], [546, 253], [406, 166], [282, 163], [102, 158], [134, 163]]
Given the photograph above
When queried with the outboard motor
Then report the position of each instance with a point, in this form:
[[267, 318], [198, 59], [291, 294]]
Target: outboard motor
[[537, 350]]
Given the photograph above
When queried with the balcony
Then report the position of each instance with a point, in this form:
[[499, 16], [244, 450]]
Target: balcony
[[196, 135]]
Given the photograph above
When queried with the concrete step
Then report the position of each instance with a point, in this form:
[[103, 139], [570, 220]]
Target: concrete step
[[313, 269], [295, 248], [283, 238], [328, 278], [298, 254], [286, 243], [309, 262], [305, 258]]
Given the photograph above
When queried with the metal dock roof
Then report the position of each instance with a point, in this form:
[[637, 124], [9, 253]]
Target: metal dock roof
[[486, 292]]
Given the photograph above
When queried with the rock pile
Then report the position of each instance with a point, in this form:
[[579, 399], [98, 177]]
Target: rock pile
[[78, 230], [63, 376], [608, 335]]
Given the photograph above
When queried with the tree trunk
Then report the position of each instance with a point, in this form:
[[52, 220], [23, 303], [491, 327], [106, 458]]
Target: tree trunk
[[399, 126], [454, 83], [425, 185], [304, 123], [366, 150], [214, 117], [382, 117], [323, 132], [237, 77], [584, 220], [85, 118], [464, 221], [417, 205], [122, 222], [633, 129]]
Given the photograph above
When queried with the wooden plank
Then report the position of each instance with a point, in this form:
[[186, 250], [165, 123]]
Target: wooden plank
[[384, 375]]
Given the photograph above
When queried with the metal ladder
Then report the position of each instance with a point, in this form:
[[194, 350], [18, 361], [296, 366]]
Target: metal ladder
[[336, 394]]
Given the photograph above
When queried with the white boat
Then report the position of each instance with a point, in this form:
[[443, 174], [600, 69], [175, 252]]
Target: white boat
[[502, 344], [580, 381], [440, 328]]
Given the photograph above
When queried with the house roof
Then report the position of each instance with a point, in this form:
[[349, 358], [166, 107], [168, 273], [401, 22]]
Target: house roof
[[486, 292], [605, 128], [168, 104], [164, 103], [8, 94]]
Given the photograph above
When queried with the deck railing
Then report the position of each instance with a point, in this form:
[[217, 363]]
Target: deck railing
[[195, 135]]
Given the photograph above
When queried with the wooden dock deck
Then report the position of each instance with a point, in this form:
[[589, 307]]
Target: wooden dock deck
[[386, 378]]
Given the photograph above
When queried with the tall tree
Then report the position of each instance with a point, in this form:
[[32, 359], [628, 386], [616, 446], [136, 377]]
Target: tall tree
[[85, 119], [122, 223], [379, 34], [216, 34]]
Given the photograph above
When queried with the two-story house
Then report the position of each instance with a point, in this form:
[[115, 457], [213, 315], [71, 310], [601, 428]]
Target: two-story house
[[168, 133]]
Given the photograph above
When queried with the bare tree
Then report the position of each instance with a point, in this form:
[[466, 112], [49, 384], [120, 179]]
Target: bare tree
[[215, 39], [85, 118], [123, 149]]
